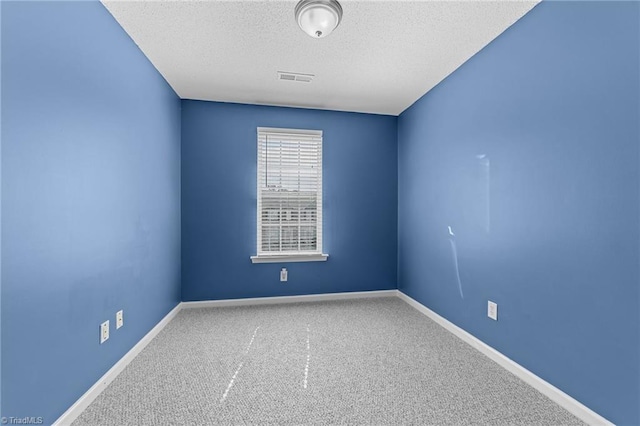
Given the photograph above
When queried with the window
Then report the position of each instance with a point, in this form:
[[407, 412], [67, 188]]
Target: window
[[289, 196]]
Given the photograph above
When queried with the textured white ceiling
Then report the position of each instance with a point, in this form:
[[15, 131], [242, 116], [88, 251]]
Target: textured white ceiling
[[381, 58]]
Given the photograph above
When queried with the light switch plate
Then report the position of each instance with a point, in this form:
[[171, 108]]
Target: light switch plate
[[492, 310]]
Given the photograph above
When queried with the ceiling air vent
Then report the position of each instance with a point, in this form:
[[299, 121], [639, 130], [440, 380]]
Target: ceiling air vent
[[293, 76]]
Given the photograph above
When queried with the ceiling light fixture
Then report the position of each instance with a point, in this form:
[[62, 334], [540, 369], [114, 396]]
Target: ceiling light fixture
[[318, 18]]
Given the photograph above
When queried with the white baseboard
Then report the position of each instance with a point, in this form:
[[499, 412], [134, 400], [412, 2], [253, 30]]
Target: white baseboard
[[89, 396], [289, 299], [579, 410]]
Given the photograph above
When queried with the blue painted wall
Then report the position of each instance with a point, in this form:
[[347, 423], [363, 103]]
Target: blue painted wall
[[553, 105], [90, 200], [0, 212], [219, 202]]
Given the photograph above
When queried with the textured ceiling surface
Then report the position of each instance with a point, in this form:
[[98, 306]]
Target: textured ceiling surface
[[383, 56]]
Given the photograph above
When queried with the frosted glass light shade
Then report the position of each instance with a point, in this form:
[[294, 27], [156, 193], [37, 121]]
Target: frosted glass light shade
[[318, 18]]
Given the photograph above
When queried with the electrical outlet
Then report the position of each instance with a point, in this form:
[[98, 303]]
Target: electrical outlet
[[284, 274], [492, 310], [119, 319], [104, 332]]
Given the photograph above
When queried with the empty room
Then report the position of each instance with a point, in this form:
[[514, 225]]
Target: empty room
[[293, 212]]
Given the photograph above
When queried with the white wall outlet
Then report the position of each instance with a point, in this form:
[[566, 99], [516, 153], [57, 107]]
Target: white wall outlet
[[104, 332], [492, 310], [119, 319], [284, 274]]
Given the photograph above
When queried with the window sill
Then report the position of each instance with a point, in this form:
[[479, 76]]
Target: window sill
[[284, 258]]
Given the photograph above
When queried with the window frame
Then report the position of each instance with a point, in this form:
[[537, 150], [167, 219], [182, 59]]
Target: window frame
[[299, 256]]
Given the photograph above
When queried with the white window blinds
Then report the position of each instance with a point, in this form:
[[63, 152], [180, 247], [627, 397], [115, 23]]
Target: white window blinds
[[289, 192]]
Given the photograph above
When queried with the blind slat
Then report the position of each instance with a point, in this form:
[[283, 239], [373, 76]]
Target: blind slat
[[289, 191]]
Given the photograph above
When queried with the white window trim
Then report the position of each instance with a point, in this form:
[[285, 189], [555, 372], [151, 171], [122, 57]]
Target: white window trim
[[280, 258], [284, 257]]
